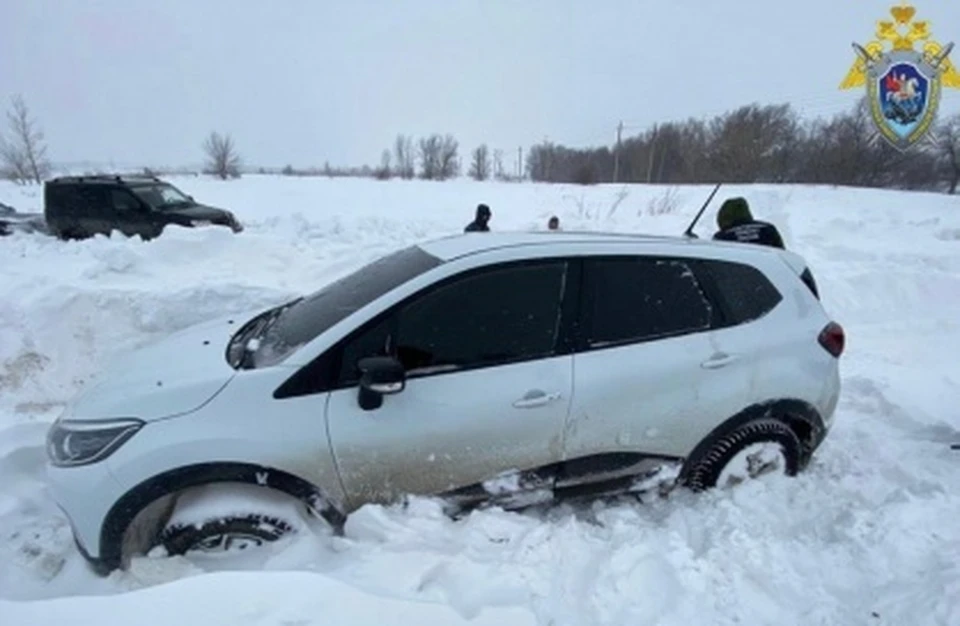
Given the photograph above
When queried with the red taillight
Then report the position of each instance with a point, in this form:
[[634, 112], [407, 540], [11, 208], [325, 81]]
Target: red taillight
[[832, 339]]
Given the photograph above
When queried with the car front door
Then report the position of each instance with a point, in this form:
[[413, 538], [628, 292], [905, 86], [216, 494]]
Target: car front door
[[131, 216], [649, 374], [487, 392]]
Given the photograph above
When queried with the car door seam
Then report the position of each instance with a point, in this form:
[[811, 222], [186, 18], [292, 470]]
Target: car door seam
[[332, 448]]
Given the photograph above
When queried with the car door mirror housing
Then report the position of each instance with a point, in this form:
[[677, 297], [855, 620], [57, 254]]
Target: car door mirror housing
[[379, 376]]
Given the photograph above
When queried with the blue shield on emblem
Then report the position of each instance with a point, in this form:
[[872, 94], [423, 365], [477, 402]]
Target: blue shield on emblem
[[904, 92]]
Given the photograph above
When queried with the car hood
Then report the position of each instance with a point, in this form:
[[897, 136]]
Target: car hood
[[168, 378], [204, 213]]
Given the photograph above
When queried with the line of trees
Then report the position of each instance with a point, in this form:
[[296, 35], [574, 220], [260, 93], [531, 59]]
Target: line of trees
[[762, 144], [752, 144]]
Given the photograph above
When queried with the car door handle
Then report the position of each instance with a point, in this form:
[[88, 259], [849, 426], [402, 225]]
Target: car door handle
[[534, 399], [717, 361]]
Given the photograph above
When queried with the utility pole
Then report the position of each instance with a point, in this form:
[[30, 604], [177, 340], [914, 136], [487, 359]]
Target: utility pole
[[520, 162], [616, 154]]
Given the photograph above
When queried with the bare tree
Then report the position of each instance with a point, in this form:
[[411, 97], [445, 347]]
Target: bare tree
[[438, 157], [498, 172], [383, 172], [24, 153], [449, 165], [404, 155], [948, 145], [222, 157], [480, 163], [429, 157]]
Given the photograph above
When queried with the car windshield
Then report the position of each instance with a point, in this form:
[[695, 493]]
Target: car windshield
[[305, 319], [162, 196]]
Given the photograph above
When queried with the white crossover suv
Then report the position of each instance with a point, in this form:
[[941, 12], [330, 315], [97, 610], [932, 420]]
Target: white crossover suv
[[481, 369]]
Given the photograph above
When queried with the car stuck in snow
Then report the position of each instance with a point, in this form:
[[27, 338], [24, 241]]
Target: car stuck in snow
[[484, 369], [77, 207]]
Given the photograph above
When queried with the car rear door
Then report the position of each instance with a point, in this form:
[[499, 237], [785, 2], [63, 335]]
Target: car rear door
[[488, 390], [648, 375]]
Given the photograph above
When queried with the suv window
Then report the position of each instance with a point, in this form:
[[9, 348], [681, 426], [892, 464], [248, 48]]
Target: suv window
[[123, 201], [493, 317], [92, 198], [631, 299], [745, 293]]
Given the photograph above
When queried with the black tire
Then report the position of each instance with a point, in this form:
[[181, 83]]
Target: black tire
[[706, 470], [181, 538]]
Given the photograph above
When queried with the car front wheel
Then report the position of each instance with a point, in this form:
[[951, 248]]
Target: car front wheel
[[227, 535], [757, 448], [230, 518]]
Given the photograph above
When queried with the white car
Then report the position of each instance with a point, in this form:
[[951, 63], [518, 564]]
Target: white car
[[481, 369]]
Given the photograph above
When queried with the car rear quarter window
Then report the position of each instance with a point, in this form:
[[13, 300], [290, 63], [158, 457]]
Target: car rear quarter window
[[746, 294], [633, 299]]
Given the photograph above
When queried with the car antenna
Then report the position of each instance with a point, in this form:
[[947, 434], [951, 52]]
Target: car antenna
[[689, 231]]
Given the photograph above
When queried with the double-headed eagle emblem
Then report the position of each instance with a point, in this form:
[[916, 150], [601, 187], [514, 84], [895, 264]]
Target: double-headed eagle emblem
[[903, 82]]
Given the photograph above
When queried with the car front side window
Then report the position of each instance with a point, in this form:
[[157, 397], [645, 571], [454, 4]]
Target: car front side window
[[491, 317]]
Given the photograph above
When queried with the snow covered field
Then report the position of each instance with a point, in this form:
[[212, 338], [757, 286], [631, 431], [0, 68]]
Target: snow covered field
[[869, 535]]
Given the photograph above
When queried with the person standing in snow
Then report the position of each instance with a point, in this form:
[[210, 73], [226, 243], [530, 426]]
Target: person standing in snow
[[736, 223], [480, 222]]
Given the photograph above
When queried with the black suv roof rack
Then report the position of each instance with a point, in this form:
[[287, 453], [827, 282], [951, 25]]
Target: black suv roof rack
[[103, 178]]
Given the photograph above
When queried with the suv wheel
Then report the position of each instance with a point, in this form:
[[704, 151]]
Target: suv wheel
[[757, 448], [229, 534], [221, 518]]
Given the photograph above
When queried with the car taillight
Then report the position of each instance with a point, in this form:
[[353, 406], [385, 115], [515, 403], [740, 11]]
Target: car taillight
[[832, 339]]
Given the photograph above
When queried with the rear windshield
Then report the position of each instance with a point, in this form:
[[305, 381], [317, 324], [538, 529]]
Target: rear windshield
[[307, 318]]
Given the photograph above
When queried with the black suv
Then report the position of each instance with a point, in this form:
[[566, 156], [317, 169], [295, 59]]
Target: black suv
[[76, 207]]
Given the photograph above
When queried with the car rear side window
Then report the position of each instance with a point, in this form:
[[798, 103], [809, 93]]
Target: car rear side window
[[745, 292], [632, 299]]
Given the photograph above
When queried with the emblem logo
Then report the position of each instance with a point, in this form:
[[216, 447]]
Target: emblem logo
[[903, 83]]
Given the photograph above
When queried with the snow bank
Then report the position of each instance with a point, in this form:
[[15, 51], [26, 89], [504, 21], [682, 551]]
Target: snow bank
[[867, 536], [243, 599]]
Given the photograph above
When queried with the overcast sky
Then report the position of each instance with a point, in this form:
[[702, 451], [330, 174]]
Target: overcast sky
[[308, 81]]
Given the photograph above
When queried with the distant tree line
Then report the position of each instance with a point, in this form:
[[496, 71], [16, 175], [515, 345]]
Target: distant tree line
[[752, 144], [761, 144]]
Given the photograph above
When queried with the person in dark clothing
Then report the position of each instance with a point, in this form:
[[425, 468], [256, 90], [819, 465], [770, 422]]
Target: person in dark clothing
[[736, 223], [479, 224]]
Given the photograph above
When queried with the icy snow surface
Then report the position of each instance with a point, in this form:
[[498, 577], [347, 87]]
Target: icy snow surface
[[869, 535]]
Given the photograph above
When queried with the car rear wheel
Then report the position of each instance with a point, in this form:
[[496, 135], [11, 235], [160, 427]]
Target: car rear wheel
[[757, 448]]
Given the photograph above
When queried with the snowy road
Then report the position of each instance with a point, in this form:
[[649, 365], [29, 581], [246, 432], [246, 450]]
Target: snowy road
[[869, 535]]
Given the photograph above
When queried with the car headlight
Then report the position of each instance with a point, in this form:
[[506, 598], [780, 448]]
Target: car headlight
[[71, 443]]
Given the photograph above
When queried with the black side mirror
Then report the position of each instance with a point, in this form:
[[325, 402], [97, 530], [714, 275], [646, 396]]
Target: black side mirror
[[379, 376]]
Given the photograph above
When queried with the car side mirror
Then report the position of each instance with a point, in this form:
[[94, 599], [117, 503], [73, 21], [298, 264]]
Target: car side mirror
[[379, 376]]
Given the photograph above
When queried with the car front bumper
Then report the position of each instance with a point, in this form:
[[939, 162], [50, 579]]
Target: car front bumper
[[85, 494]]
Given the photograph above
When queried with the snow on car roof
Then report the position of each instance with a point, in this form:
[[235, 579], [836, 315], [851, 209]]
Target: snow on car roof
[[447, 248], [454, 246]]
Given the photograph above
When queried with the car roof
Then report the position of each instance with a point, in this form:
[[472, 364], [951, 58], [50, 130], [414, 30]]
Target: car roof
[[112, 179], [459, 245]]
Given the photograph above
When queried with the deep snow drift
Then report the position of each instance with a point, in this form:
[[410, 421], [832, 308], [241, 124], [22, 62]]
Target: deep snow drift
[[869, 535]]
